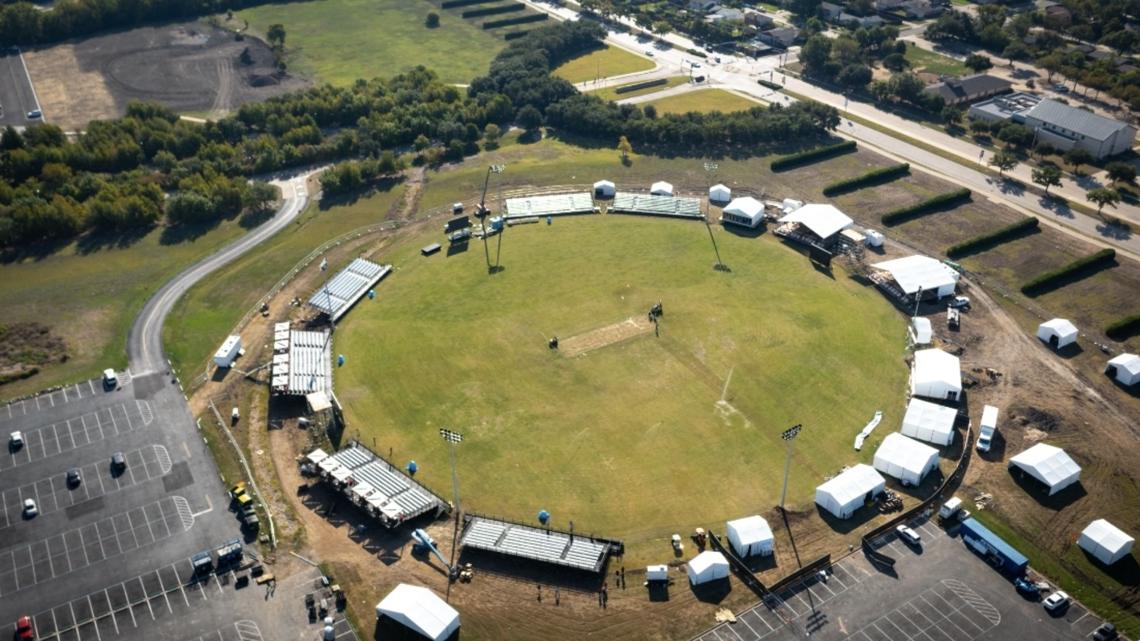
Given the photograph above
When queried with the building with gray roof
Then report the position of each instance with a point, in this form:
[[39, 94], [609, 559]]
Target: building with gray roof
[[1058, 124]]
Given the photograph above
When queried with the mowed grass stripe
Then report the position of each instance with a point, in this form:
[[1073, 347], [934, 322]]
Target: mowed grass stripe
[[602, 63]]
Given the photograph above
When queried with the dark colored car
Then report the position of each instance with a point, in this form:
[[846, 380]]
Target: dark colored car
[[118, 462], [74, 478], [1106, 632], [1027, 589]]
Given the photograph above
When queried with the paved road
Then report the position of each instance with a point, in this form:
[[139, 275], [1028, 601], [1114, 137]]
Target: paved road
[[144, 342]]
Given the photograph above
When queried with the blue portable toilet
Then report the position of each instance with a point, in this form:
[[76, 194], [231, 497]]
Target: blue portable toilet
[[543, 517], [412, 467], [340, 360], [550, 220], [497, 223], [371, 294]]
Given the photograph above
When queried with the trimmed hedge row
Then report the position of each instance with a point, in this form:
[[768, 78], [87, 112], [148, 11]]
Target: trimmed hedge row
[[491, 11], [514, 34], [495, 24], [985, 241], [769, 84], [642, 85], [812, 155], [1124, 328], [453, 4], [930, 205], [873, 177], [697, 52], [1081, 267]]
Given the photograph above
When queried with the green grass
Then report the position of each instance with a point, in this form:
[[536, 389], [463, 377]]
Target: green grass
[[936, 63], [704, 100], [602, 63], [610, 93], [627, 440], [339, 41]]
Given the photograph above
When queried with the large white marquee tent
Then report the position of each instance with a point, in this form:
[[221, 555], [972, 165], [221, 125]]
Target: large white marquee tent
[[420, 610], [823, 220], [1057, 333], [750, 535], [929, 422], [746, 211], [1050, 465], [936, 374], [921, 273], [707, 566], [1125, 368], [850, 490], [1105, 541], [905, 458]]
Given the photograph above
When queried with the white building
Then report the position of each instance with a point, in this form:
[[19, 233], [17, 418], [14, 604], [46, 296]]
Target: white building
[[1105, 541], [661, 188], [1062, 126], [720, 194], [1048, 464], [915, 274], [905, 459], [604, 189], [228, 352], [1057, 333], [746, 212], [1125, 368], [750, 535], [820, 220], [851, 490], [921, 331], [929, 422], [707, 566], [936, 374], [419, 610]]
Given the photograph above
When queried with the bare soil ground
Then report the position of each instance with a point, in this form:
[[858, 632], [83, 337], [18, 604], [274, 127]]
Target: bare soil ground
[[603, 336], [186, 66], [26, 346]]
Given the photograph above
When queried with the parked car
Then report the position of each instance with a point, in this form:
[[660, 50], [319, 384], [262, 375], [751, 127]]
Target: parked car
[[30, 509], [74, 477], [1027, 588], [1056, 602], [118, 462], [24, 631], [1106, 632], [15, 440], [649, 52], [960, 302], [35, 114], [908, 535], [110, 380], [1060, 88]]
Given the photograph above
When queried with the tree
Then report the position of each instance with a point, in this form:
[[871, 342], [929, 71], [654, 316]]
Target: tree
[[276, 35], [952, 115], [650, 112], [432, 20], [1051, 63], [896, 62], [1004, 161], [978, 62], [854, 76], [1015, 51], [805, 8], [1047, 176], [1015, 135], [246, 58], [1077, 157], [491, 135], [816, 52], [529, 119], [259, 196], [1103, 196], [1121, 172], [625, 149]]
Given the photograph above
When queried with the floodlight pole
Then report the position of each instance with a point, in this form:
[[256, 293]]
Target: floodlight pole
[[453, 438], [789, 436], [710, 170]]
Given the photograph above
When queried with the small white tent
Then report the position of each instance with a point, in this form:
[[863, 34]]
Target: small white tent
[[657, 573], [1124, 368], [849, 491], [905, 459], [1105, 541], [720, 194], [1048, 464], [1057, 333], [929, 422], [604, 189], [936, 374], [707, 566], [420, 610], [921, 332], [661, 188], [746, 211], [750, 535]]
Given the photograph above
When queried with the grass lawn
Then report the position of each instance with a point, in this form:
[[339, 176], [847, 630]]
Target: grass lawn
[[931, 62], [704, 100], [617, 439], [339, 41], [610, 93], [602, 63]]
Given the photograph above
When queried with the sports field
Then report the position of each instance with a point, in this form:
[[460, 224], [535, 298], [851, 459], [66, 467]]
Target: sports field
[[339, 41], [602, 63], [627, 438], [704, 100]]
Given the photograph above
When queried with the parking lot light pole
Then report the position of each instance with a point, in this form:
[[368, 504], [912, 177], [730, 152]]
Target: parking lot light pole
[[453, 438], [789, 436]]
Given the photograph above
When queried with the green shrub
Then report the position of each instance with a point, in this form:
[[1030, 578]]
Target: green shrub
[[873, 177], [769, 84], [986, 241], [1056, 278], [495, 24], [928, 206], [452, 4], [491, 11], [513, 35], [642, 85], [811, 155], [1124, 328], [697, 52]]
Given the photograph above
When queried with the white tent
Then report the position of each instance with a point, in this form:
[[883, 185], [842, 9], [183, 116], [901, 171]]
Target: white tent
[[1057, 333], [823, 220], [1050, 465], [921, 273], [1124, 368], [929, 422], [750, 535], [921, 332], [1105, 541], [905, 458], [849, 491], [604, 189], [746, 211], [707, 566], [420, 610], [720, 194], [661, 188], [657, 573], [936, 374]]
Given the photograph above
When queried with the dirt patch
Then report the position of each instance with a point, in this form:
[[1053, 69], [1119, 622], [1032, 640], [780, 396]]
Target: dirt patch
[[603, 336], [185, 66], [24, 347]]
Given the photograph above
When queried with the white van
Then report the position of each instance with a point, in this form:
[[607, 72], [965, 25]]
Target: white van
[[988, 428], [110, 381]]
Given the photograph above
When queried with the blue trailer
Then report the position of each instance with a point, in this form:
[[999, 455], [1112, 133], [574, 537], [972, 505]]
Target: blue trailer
[[993, 548]]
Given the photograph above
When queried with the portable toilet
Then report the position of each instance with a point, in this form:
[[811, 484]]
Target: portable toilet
[[497, 223]]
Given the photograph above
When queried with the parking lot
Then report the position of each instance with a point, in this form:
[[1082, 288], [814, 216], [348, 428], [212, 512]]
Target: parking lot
[[937, 591]]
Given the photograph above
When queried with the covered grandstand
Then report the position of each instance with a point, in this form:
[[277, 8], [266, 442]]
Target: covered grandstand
[[550, 205], [651, 205], [302, 361], [547, 545], [341, 292]]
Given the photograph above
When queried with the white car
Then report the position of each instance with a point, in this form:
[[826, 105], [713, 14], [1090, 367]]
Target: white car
[[16, 440], [908, 535], [649, 52], [109, 378], [1056, 601], [30, 508]]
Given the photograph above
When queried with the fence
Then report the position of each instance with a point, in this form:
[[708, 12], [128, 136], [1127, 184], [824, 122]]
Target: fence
[[817, 565], [742, 571]]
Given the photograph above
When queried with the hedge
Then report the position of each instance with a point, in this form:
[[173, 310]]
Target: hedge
[[985, 241], [491, 11], [512, 35], [698, 53], [495, 24], [1081, 267], [930, 205], [812, 155], [642, 85], [769, 84], [873, 177], [452, 4], [1124, 328]]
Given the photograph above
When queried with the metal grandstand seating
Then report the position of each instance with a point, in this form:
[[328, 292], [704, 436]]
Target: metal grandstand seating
[[339, 294], [885, 282], [550, 205], [394, 498], [305, 366], [539, 544], [649, 205]]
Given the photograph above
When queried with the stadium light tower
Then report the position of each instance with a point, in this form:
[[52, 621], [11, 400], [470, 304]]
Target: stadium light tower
[[710, 171], [453, 438], [481, 211], [789, 436]]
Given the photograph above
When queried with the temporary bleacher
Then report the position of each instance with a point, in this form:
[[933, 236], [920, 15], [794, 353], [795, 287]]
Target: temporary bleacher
[[550, 205], [391, 496], [537, 544], [305, 366], [339, 294], [650, 205]]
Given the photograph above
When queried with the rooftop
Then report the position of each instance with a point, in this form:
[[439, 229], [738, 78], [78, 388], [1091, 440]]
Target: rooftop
[[1079, 121]]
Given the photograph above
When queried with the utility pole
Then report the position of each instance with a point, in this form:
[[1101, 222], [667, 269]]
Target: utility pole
[[453, 438], [481, 210], [710, 171], [789, 436]]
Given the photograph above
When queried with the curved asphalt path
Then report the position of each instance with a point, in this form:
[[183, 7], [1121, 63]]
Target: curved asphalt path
[[144, 342]]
